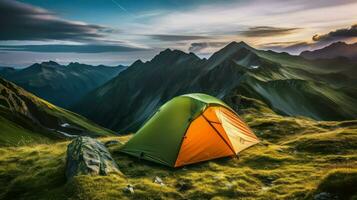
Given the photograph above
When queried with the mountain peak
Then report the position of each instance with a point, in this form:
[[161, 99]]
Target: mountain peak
[[77, 64], [50, 63], [234, 49], [171, 52], [238, 45], [137, 62], [339, 43], [168, 54]]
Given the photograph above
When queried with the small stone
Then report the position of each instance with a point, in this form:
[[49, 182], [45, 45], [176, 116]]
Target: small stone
[[129, 189], [158, 180]]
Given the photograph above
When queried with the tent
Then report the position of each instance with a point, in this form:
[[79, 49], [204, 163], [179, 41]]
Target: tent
[[188, 129]]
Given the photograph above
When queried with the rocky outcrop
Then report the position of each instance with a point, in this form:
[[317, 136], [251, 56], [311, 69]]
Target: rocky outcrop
[[86, 155]]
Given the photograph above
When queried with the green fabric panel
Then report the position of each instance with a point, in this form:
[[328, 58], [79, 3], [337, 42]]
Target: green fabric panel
[[210, 100], [159, 140]]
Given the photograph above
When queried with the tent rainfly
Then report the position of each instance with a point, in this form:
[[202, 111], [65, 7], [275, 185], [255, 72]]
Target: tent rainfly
[[188, 129]]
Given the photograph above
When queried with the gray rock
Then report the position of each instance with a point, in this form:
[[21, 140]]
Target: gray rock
[[86, 155]]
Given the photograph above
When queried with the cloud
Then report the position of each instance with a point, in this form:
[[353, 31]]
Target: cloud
[[318, 41], [165, 37], [199, 46], [344, 33], [88, 48], [20, 21], [267, 31]]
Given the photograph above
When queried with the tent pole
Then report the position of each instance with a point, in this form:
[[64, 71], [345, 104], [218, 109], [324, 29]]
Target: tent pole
[[234, 153]]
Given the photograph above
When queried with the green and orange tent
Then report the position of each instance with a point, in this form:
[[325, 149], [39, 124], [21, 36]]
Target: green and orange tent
[[189, 129]]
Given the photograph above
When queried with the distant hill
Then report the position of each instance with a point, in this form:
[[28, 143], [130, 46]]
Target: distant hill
[[337, 49], [59, 84], [290, 85], [25, 118]]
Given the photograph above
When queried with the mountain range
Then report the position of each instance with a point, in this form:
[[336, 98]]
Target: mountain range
[[35, 134], [61, 85], [291, 85], [337, 49], [25, 118]]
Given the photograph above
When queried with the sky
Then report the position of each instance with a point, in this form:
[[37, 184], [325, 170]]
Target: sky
[[114, 32]]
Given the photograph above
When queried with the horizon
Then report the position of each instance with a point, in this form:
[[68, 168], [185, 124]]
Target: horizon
[[149, 59], [128, 65], [71, 31]]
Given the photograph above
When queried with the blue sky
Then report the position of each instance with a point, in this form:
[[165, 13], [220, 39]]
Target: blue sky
[[116, 32]]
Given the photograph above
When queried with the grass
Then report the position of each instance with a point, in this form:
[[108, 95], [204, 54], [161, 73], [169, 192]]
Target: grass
[[341, 182], [295, 160], [15, 135]]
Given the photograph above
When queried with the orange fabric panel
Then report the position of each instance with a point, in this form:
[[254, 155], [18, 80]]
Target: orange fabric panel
[[222, 132], [236, 121], [240, 135], [210, 114], [235, 118], [201, 143]]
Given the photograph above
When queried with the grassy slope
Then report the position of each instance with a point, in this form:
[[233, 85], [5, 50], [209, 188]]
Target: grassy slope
[[25, 118], [297, 158], [15, 135]]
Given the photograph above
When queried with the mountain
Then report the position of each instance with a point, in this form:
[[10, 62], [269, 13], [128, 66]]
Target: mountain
[[59, 84], [337, 49], [25, 118], [7, 71], [290, 85]]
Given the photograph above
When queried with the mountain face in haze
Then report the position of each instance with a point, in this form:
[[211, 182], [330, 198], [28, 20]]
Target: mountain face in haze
[[25, 118], [290, 85], [337, 49], [59, 84]]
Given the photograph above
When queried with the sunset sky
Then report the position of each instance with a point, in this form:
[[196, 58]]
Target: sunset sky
[[116, 32]]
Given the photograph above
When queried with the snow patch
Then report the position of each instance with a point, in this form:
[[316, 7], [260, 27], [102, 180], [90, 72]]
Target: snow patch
[[66, 134], [65, 125]]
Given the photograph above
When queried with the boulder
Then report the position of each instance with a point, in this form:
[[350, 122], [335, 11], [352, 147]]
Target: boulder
[[86, 155]]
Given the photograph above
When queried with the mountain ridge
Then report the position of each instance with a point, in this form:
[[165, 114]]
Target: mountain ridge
[[337, 49], [61, 84], [126, 101]]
